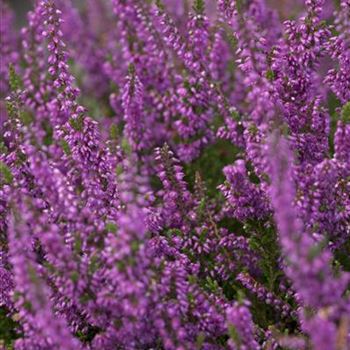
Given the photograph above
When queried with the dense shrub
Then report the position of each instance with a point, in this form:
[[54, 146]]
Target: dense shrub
[[175, 175]]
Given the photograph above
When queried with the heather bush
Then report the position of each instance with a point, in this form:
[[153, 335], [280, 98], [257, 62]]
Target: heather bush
[[175, 175]]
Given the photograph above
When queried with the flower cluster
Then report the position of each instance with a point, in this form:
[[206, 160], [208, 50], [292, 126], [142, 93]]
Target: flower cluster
[[175, 175]]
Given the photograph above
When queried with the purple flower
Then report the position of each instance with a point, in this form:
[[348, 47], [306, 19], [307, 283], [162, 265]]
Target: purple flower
[[230, 235]]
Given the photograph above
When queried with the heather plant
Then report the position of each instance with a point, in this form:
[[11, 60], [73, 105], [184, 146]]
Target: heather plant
[[175, 175]]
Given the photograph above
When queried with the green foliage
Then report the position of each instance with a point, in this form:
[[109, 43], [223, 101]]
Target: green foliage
[[345, 113], [27, 118], [78, 242], [270, 74], [65, 146], [111, 227], [118, 170], [13, 102], [199, 6], [114, 132], [77, 123], [49, 134], [200, 340], [131, 69], [94, 264], [342, 255], [5, 174], [126, 147], [334, 106], [88, 335], [12, 108], [15, 81], [234, 335], [209, 165], [160, 5], [264, 241], [74, 276], [212, 285], [8, 329]]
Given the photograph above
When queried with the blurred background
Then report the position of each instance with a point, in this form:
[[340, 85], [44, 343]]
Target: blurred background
[[286, 8], [20, 7]]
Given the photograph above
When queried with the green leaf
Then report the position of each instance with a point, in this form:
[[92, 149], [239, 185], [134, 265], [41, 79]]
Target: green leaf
[[119, 169], [234, 335], [131, 69], [270, 74], [113, 132], [111, 227], [126, 146], [8, 329], [77, 123], [15, 81], [28, 306], [3, 148], [93, 264], [65, 146], [199, 6], [78, 244], [345, 113], [5, 173], [85, 298], [48, 138], [160, 5], [74, 276], [200, 340], [135, 245], [11, 108], [192, 279], [212, 285]]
